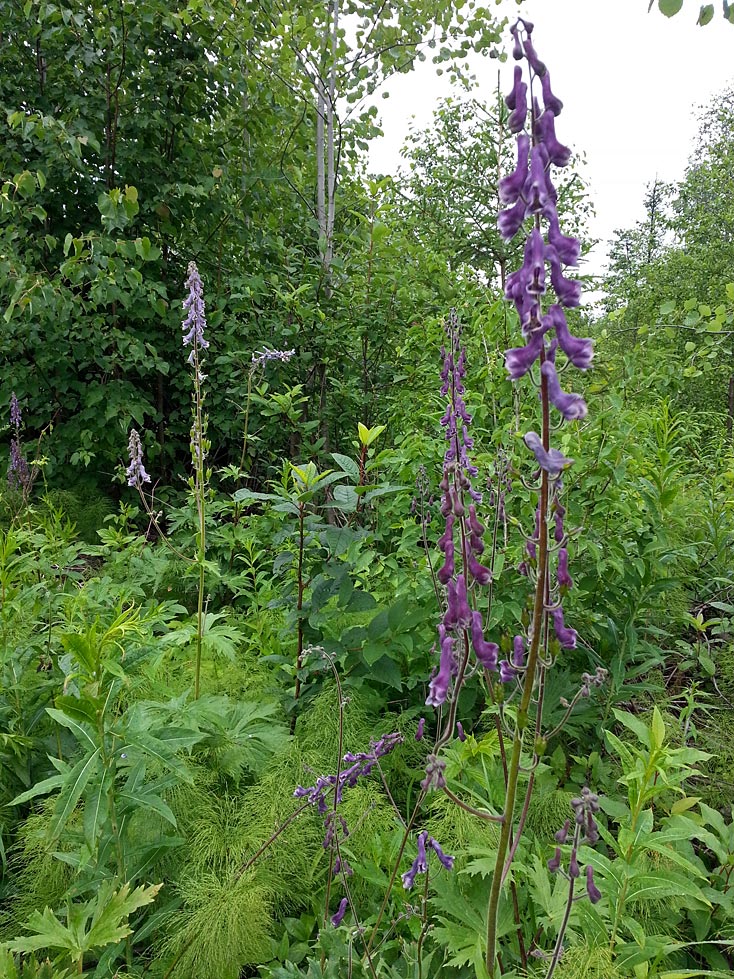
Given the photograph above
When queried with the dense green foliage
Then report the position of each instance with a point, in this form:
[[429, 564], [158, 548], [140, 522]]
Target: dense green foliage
[[175, 663]]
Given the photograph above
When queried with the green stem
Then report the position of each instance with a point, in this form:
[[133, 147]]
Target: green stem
[[523, 710]]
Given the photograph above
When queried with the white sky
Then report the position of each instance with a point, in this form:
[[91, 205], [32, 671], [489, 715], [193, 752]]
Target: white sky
[[630, 82]]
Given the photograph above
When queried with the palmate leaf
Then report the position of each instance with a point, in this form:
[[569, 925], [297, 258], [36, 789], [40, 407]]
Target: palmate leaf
[[108, 911], [109, 921]]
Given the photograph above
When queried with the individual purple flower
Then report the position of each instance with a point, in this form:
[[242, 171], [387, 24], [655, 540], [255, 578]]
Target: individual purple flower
[[554, 863], [486, 652], [567, 248], [551, 460], [420, 729], [551, 103], [564, 578], [546, 129], [336, 919], [592, 890], [135, 472], [438, 688], [195, 322], [510, 187], [562, 834], [571, 406], [517, 100], [565, 636], [580, 351], [446, 860], [460, 731]]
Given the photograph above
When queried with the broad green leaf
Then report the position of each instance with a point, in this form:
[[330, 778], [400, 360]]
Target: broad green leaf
[[670, 7], [80, 730]]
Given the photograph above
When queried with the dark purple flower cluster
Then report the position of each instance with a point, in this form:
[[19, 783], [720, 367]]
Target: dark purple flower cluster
[[531, 194], [585, 831], [359, 766], [19, 472], [462, 542], [135, 472], [420, 864]]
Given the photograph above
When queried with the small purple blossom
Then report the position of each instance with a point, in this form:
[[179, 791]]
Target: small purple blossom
[[551, 460], [565, 636], [135, 472], [593, 892], [195, 322], [564, 578], [420, 864], [420, 729], [571, 406], [336, 919]]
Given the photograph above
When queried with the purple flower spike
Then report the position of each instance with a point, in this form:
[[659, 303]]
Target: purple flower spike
[[565, 636], [546, 129], [551, 461], [336, 919], [486, 652], [571, 406], [591, 889], [519, 360], [16, 419], [135, 472], [511, 187], [564, 578], [195, 322], [550, 101]]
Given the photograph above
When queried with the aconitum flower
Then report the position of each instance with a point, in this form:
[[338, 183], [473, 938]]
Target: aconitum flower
[[16, 419], [424, 843], [336, 919], [261, 357], [135, 472], [551, 460], [571, 406], [195, 322]]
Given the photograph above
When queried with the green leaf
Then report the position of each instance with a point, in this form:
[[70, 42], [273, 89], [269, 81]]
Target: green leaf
[[79, 730], [670, 7], [71, 792], [705, 14]]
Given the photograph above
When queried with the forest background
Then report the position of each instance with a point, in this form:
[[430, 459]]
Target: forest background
[[176, 662]]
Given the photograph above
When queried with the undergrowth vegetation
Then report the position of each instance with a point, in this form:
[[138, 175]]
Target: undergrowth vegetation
[[397, 659]]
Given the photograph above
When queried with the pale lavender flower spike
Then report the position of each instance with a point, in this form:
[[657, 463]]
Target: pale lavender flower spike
[[261, 357], [135, 472], [195, 322], [16, 419]]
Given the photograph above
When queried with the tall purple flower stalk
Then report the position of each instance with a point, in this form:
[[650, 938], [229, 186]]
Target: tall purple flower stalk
[[462, 544], [19, 472], [541, 291]]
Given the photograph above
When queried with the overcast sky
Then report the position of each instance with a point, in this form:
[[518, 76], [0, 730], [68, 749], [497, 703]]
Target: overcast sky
[[630, 82]]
